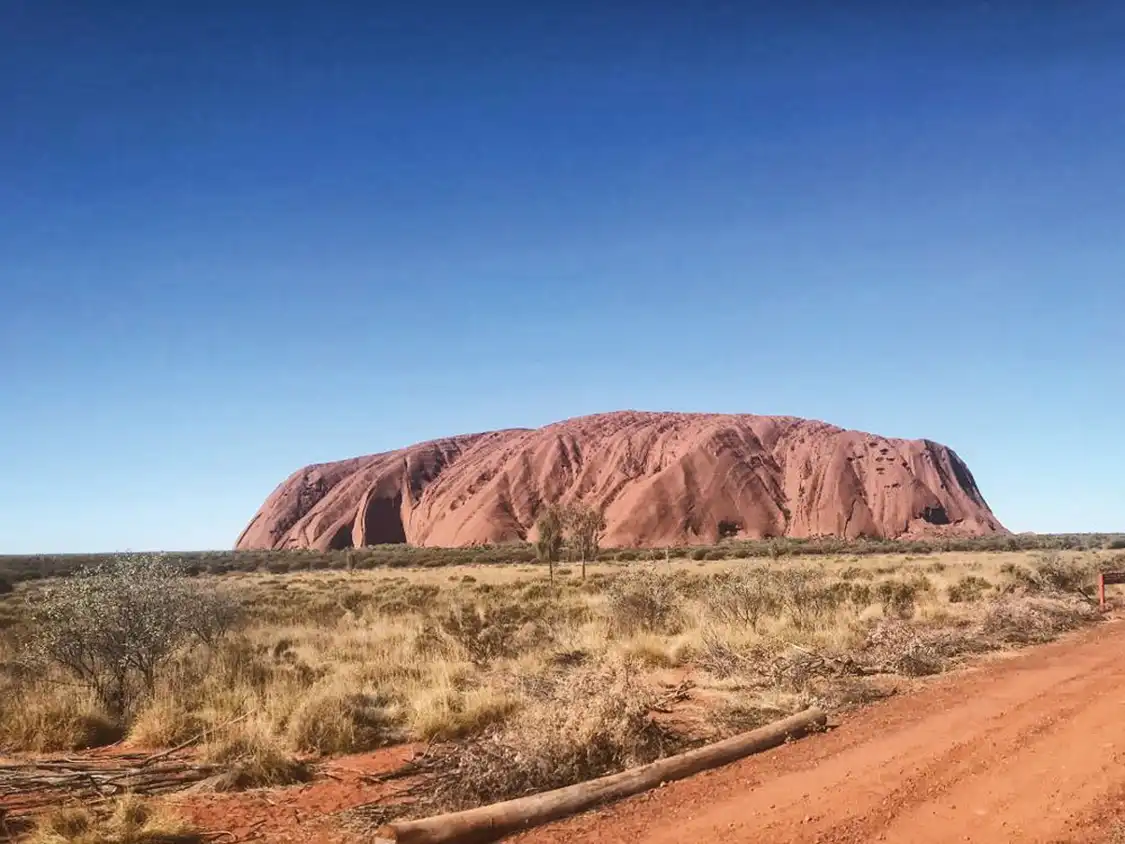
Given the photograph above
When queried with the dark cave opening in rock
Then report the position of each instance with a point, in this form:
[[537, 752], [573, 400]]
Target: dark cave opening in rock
[[341, 539], [935, 515]]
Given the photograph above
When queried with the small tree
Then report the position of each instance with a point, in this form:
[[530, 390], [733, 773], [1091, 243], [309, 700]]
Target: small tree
[[586, 526], [111, 627], [550, 527]]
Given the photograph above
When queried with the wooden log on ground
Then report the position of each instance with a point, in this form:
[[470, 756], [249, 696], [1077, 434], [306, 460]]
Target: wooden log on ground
[[489, 823]]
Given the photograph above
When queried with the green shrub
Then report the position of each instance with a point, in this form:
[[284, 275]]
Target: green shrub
[[111, 627]]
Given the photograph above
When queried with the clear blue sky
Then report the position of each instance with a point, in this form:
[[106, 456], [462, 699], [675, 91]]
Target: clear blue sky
[[236, 238]]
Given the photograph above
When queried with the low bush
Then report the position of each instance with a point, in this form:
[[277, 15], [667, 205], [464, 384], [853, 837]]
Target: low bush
[[595, 723], [1050, 573], [742, 598], [644, 599], [806, 596], [898, 597], [968, 589], [1054, 574], [1028, 619], [486, 630], [900, 647]]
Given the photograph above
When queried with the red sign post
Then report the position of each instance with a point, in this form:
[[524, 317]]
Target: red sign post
[[1108, 578]]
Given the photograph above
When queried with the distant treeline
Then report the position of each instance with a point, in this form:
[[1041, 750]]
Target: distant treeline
[[15, 568]]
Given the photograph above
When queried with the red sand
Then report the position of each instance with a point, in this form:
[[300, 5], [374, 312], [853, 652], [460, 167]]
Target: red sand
[[304, 814], [1028, 749]]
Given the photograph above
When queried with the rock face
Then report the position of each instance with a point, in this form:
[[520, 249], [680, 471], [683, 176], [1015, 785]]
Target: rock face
[[659, 478]]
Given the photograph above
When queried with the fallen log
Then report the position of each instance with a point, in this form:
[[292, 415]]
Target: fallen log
[[488, 823]]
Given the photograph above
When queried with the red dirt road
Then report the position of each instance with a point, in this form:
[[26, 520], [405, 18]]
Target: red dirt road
[[1028, 748]]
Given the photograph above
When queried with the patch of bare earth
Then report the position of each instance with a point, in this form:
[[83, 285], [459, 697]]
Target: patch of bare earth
[[1025, 749], [308, 813]]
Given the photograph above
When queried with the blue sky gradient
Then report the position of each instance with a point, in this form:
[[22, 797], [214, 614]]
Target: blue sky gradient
[[236, 238]]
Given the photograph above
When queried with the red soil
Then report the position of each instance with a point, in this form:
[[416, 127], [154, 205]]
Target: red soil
[[305, 814], [1025, 749]]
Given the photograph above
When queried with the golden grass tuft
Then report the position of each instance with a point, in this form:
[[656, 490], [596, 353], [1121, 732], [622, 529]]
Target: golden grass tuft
[[337, 718], [443, 712], [252, 756], [54, 718], [165, 722], [648, 650], [128, 820]]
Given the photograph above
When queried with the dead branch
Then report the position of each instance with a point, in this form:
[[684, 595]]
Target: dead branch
[[489, 823], [32, 785], [166, 753]]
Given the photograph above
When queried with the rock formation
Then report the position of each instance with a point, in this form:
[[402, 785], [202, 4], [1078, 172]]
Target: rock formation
[[659, 478]]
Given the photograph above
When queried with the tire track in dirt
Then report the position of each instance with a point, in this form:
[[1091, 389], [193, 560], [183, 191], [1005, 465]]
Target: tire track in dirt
[[935, 790], [1028, 748]]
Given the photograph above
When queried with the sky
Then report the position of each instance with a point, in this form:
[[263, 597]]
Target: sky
[[238, 238]]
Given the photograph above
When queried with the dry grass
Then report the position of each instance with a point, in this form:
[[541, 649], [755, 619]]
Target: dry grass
[[252, 756], [128, 820], [336, 718], [582, 725], [43, 718], [559, 677], [1023, 620]]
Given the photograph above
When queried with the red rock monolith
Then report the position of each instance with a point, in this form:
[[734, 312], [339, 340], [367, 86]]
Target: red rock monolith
[[660, 479]]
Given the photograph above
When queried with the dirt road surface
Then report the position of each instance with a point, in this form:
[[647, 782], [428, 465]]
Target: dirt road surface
[[1026, 748]]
